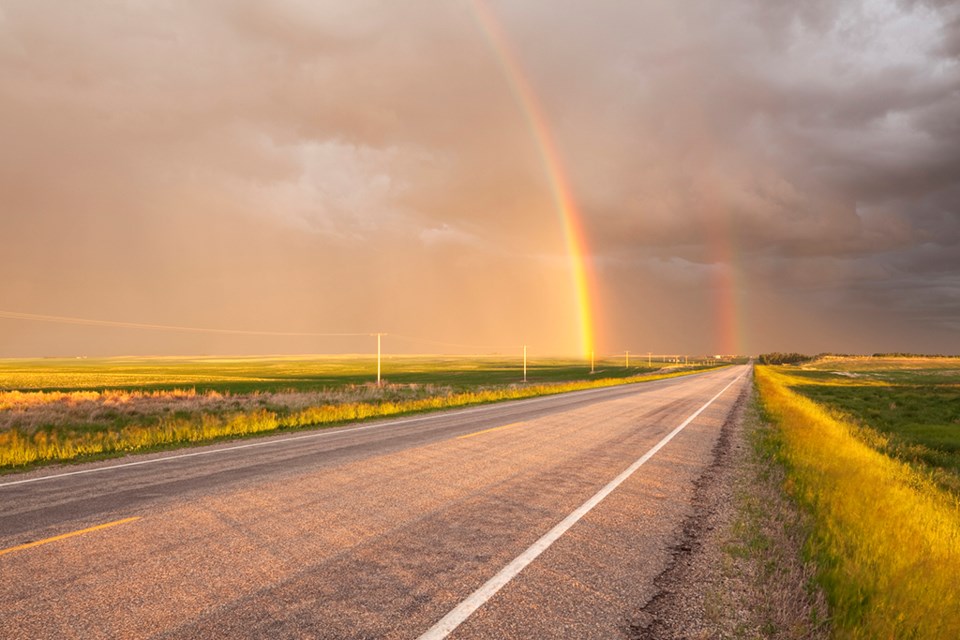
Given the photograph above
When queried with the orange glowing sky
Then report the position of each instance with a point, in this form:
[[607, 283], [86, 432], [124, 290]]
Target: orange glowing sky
[[472, 176]]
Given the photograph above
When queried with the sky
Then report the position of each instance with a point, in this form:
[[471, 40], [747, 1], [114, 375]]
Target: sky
[[744, 176]]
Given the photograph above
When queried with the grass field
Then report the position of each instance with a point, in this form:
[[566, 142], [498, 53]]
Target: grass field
[[260, 374], [65, 410], [871, 450], [913, 404]]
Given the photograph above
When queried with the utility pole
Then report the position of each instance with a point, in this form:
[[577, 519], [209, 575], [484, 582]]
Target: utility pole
[[649, 361], [378, 358], [626, 356], [524, 363]]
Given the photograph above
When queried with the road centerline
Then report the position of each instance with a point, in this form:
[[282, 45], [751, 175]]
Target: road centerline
[[477, 433], [446, 625], [64, 536]]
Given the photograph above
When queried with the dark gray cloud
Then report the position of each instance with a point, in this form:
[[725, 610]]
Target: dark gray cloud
[[364, 165], [817, 141]]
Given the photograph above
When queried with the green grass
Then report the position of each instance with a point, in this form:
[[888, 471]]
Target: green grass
[[259, 374], [908, 408], [885, 537]]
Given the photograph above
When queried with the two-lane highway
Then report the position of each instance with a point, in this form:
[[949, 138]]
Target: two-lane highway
[[383, 530]]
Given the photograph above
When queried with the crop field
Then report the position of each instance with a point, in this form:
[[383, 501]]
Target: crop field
[[64, 410], [872, 451]]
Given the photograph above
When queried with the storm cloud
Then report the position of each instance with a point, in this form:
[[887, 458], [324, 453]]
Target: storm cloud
[[364, 166]]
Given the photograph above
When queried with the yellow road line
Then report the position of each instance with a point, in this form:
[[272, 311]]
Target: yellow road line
[[67, 535], [477, 433]]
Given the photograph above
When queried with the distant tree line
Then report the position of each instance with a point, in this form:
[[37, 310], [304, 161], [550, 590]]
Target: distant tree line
[[796, 358], [783, 358], [898, 354]]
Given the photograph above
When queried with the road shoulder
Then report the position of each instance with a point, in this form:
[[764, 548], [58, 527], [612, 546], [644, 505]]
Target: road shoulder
[[737, 568]]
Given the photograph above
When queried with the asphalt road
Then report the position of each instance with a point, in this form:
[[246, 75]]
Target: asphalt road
[[373, 531]]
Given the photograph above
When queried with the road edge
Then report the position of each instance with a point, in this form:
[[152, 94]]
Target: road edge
[[737, 568]]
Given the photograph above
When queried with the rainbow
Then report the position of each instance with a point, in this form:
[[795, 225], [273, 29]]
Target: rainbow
[[725, 283], [553, 165]]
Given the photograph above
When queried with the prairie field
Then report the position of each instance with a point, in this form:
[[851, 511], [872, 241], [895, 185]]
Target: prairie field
[[872, 451], [64, 410], [911, 406], [286, 373]]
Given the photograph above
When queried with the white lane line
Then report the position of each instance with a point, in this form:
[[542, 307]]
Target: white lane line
[[322, 434], [475, 600]]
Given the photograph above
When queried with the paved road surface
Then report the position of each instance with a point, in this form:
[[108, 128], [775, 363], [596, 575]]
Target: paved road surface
[[376, 531]]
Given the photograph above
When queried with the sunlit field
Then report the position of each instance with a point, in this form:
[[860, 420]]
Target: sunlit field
[[253, 374], [872, 449], [912, 403], [62, 410]]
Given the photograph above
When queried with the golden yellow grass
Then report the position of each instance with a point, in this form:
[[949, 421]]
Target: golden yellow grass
[[19, 448], [886, 538], [21, 400]]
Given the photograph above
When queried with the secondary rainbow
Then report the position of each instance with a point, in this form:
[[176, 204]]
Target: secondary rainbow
[[725, 282], [725, 288], [559, 185]]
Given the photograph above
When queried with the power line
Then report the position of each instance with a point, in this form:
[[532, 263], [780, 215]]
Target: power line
[[16, 315], [19, 315]]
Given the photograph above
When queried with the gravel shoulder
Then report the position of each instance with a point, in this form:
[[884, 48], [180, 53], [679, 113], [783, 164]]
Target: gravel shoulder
[[737, 569]]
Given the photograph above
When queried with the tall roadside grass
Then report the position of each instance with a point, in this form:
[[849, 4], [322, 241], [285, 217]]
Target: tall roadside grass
[[886, 538], [20, 448]]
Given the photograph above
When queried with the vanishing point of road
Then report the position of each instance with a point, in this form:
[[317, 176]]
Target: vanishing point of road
[[542, 518]]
